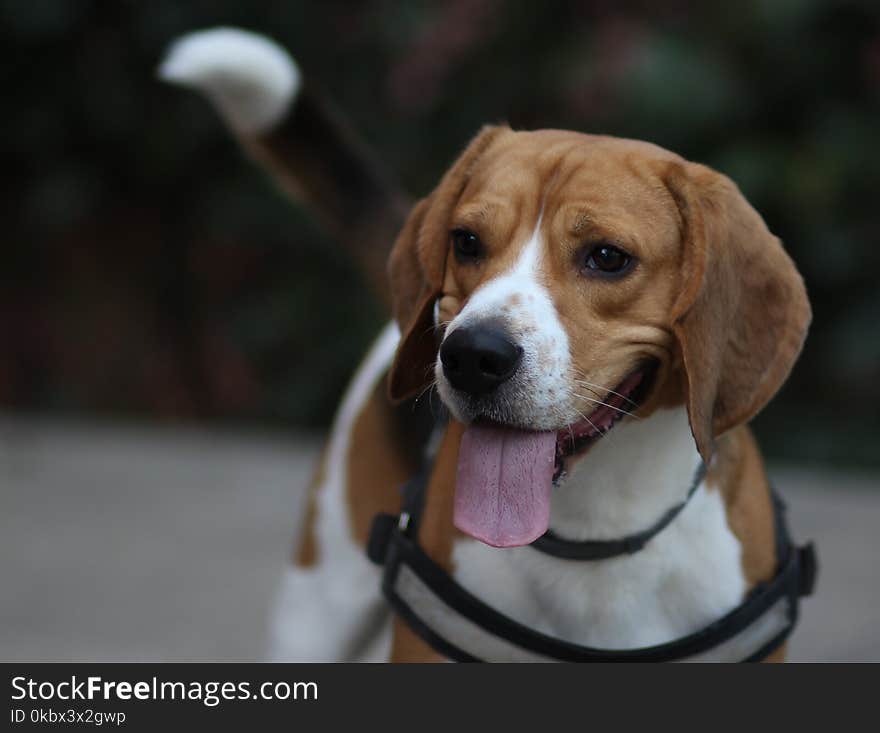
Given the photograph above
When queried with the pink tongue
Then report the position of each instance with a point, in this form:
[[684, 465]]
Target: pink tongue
[[502, 494]]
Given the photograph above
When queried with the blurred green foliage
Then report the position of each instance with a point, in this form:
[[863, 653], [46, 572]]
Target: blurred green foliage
[[151, 271]]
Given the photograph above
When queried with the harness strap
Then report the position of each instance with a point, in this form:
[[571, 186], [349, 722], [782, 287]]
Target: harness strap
[[382, 528], [552, 544], [463, 628]]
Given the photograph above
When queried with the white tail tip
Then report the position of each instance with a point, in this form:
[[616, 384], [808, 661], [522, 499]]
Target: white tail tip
[[250, 79]]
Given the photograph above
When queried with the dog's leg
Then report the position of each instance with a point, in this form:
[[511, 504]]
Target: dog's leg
[[408, 648], [288, 127], [330, 606], [436, 536], [778, 657]]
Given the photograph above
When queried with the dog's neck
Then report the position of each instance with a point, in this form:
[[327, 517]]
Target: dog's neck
[[628, 479]]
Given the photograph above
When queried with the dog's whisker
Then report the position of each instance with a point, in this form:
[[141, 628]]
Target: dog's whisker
[[606, 435], [605, 404], [428, 388], [432, 407], [588, 385], [594, 426], [606, 390]]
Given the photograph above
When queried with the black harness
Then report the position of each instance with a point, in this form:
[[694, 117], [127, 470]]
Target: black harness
[[461, 627], [552, 544]]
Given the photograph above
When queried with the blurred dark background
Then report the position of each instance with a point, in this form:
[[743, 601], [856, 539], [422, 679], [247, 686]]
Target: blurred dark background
[[151, 273]]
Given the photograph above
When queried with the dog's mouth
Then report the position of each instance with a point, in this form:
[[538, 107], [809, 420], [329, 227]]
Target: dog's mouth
[[506, 474], [576, 439]]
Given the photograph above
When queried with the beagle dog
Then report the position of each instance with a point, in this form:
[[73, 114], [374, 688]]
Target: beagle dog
[[599, 318]]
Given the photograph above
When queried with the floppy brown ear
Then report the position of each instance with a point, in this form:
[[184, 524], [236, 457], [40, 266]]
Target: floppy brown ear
[[412, 300], [742, 316], [416, 269]]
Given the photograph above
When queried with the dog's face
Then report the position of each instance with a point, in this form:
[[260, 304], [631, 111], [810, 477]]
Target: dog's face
[[562, 268], [575, 280]]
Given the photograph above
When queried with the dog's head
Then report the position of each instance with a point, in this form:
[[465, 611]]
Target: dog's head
[[576, 279]]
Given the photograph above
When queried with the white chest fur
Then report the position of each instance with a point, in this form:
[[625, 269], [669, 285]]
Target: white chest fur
[[685, 578]]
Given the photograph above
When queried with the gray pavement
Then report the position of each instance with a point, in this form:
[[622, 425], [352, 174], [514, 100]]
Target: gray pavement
[[122, 543]]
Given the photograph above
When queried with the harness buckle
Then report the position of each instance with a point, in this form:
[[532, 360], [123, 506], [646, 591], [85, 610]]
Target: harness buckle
[[380, 536], [808, 566]]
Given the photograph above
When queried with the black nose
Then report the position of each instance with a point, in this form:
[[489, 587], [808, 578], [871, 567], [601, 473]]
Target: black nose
[[479, 358]]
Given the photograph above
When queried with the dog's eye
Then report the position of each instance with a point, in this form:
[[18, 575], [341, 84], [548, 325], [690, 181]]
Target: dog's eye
[[606, 259], [466, 245]]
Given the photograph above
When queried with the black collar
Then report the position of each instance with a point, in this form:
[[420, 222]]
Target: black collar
[[552, 544], [463, 628]]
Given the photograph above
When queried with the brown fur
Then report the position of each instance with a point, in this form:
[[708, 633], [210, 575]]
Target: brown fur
[[436, 535], [738, 472], [319, 160], [437, 532], [377, 465], [742, 317], [305, 554], [408, 648], [383, 453], [416, 270]]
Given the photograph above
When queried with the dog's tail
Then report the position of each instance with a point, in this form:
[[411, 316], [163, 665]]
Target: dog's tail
[[289, 128]]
